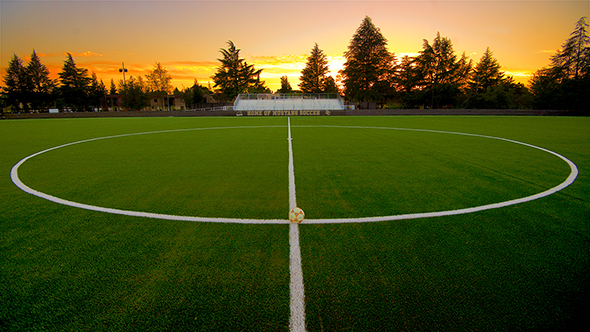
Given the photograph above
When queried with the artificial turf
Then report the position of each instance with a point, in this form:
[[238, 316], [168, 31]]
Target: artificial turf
[[523, 267]]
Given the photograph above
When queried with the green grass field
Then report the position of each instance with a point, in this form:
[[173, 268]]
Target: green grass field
[[521, 267]]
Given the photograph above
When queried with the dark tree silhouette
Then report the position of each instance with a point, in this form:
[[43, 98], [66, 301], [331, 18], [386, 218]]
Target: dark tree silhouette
[[285, 85], [566, 82], [313, 76], [369, 69], [74, 88], [234, 75]]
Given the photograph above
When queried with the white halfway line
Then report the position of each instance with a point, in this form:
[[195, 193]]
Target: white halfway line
[[297, 321]]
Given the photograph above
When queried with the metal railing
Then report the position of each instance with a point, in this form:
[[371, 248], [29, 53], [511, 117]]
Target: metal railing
[[219, 108], [274, 96]]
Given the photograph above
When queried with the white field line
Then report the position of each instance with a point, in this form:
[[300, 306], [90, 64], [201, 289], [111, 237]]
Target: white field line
[[297, 321], [16, 180], [570, 179]]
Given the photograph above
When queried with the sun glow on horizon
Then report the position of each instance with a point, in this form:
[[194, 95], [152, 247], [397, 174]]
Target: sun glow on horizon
[[184, 73]]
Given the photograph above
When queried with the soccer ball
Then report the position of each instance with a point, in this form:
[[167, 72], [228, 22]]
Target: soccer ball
[[296, 215]]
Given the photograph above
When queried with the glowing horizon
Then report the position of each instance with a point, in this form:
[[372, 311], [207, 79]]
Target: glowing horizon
[[521, 34]]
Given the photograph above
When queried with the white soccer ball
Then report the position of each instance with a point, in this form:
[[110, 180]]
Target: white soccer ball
[[296, 215]]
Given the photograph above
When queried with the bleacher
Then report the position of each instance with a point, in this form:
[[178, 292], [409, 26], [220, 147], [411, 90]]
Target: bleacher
[[288, 102]]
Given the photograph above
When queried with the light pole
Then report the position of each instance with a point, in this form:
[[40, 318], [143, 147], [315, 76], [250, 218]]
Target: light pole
[[123, 70]]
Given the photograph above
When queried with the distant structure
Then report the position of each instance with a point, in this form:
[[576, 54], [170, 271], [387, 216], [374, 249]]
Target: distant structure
[[288, 102]]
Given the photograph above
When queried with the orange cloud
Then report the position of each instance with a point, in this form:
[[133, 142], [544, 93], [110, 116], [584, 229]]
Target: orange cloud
[[84, 54], [550, 51]]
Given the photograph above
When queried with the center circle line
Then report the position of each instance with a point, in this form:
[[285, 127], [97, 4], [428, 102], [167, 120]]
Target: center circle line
[[569, 180]]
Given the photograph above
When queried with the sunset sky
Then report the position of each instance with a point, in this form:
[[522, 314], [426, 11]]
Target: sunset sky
[[276, 36]]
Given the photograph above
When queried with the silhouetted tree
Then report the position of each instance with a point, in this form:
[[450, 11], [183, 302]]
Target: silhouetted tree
[[134, 94], [158, 79], [113, 88], [15, 84], [330, 86], [566, 82], [285, 85], [489, 88], [40, 94], [97, 91], [486, 73], [369, 68], [573, 60], [313, 76], [259, 87], [407, 77], [234, 75], [74, 88], [194, 95], [158, 83], [439, 75]]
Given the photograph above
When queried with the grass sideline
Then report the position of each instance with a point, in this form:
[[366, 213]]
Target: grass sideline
[[520, 267]]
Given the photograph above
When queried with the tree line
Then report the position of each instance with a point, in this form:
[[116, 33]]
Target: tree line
[[435, 78], [29, 88]]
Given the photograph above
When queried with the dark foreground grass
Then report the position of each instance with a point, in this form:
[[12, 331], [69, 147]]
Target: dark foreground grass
[[523, 267]]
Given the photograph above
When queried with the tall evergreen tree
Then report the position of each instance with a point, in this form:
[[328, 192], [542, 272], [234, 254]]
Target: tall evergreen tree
[[566, 82], [407, 78], [440, 74], [113, 88], [234, 75], [486, 73], [439, 62], [285, 85], [74, 88], [573, 60], [313, 76], [15, 83], [369, 69], [96, 92], [41, 86], [330, 86]]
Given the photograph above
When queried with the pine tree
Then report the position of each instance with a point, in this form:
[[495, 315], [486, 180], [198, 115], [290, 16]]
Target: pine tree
[[234, 75], [407, 78], [369, 68], [285, 85], [439, 65], [113, 88], [566, 82], [15, 82], [41, 86], [440, 76], [97, 91], [74, 88], [330, 85], [313, 76], [573, 60], [486, 73]]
